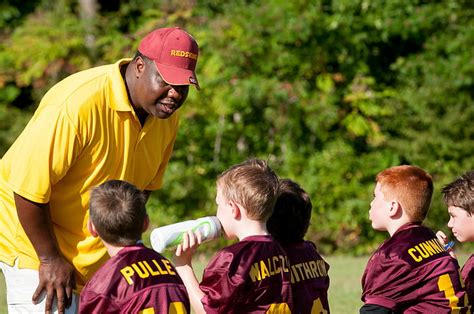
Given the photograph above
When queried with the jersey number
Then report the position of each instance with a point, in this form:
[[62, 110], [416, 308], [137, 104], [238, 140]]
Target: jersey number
[[318, 307], [446, 285], [279, 308], [175, 308]]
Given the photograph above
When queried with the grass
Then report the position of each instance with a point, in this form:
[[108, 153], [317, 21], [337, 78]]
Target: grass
[[344, 291]]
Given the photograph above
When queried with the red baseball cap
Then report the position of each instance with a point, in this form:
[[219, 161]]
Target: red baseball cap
[[175, 54]]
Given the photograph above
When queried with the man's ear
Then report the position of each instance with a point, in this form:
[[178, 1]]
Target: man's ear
[[91, 228], [139, 66], [146, 223]]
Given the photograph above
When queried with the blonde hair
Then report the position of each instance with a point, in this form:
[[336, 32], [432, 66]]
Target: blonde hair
[[253, 184], [411, 186]]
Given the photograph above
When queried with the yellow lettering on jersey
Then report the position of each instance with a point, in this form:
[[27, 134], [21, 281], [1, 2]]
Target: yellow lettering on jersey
[[276, 260], [425, 250], [127, 273], [307, 270], [148, 267], [264, 270], [270, 267], [143, 273], [158, 266], [168, 266], [294, 275], [255, 273], [144, 269]]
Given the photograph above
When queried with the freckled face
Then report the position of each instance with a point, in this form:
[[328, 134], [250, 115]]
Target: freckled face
[[379, 209], [153, 95], [461, 224]]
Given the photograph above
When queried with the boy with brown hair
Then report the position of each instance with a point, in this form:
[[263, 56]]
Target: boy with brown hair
[[459, 197], [253, 275], [135, 278], [411, 271], [309, 272]]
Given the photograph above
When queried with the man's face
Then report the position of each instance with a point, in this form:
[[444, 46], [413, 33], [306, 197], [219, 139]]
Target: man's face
[[153, 95], [379, 210], [461, 224]]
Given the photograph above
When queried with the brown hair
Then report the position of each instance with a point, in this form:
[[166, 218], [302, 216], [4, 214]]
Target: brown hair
[[460, 192], [117, 210], [292, 213], [253, 184], [411, 186]]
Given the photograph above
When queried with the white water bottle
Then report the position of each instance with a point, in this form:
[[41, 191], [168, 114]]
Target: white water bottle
[[172, 235]]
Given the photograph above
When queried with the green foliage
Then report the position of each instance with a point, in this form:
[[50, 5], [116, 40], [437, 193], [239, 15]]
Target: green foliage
[[330, 92]]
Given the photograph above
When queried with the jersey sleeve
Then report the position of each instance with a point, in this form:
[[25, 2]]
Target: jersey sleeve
[[381, 282], [91, 302], [221, 288], [42, 154]]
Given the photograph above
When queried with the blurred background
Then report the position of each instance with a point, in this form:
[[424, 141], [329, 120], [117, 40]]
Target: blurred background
[[329, 92]]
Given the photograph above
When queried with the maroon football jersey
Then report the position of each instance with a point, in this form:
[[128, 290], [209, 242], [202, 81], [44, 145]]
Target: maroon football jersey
[[468, 277], [309, 278], [251, 276], [135, 279], [412, 273]]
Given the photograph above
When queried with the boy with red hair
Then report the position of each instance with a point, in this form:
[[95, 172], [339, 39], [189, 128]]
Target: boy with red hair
[[411, 271]]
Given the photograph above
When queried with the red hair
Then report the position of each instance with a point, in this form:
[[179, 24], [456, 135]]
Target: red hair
[[410, 186]]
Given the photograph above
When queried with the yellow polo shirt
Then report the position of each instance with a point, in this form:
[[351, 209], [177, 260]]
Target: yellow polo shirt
[[83, 133]]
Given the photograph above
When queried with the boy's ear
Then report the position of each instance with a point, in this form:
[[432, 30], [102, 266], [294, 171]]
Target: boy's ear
[[236, 210], [91, 228], [395, 210], [146, 223]]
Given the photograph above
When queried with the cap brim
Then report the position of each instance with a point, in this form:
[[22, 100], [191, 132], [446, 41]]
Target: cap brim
[[177, 76]]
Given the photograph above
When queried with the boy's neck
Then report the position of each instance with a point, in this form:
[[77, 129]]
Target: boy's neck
[[113, 249], [397, 224], [251, 228]]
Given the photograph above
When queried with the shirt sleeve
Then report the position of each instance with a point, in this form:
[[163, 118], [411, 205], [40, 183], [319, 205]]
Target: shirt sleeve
[[91, 302], [381, 281], [222, 289], [42, 154]]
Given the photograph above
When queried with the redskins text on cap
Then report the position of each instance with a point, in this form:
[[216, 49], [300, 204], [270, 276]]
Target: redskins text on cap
[[175, 54]]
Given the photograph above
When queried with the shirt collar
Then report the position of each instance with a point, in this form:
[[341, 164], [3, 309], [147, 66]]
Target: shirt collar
[[117, 90]]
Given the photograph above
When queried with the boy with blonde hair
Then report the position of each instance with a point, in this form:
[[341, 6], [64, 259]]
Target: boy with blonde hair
[[135, 278], [411, 271], [309, 271], [459, 197], [253, 275]]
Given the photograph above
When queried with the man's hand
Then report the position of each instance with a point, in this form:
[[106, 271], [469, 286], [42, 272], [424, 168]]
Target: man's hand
[[56, 275], [56, 278]]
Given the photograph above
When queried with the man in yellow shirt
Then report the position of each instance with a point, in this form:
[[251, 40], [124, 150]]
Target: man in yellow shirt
[[115, 121]]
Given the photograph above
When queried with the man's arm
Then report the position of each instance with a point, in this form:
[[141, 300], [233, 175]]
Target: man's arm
[[56, 275]]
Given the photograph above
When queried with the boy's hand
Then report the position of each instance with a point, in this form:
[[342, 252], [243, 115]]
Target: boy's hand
[[185, 251], [443, 239]]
